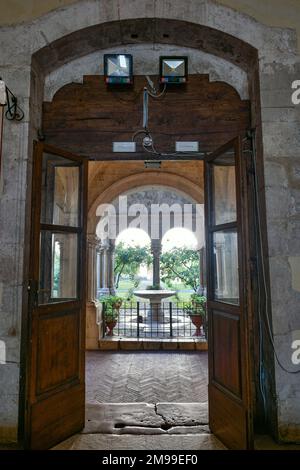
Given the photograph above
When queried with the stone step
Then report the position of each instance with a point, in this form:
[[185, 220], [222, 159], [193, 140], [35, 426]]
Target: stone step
[[145, 418], [116, 343], [142, 442]]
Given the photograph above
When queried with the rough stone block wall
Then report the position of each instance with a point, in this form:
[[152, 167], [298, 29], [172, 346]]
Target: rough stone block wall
[[279, 66], [281, 124]]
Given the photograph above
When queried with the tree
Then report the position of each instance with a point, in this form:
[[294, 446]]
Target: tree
[[183, 264], [128, 260]]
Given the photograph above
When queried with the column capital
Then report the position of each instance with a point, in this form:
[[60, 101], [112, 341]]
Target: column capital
[[108, 245], [105, 244], [93, 240], [112, 245], [156, 246]]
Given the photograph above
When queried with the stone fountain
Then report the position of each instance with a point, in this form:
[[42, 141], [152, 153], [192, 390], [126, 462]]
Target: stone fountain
[[155, 296]]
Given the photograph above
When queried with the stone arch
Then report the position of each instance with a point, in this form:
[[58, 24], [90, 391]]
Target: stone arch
[[142, 179], [140, 30], [146, 60], [136, 229], [184, 230], [144, 30], [177, 210], [60, 50], [175, 31]]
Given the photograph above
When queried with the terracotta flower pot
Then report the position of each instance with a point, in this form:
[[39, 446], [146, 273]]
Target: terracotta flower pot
[[110, 327], [197, 321]]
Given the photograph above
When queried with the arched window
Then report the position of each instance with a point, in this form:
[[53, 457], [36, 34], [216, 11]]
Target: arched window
[[133, 237], [179, 238]]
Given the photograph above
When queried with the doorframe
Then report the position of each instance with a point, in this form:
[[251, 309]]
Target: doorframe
[[240, 53], [250, 340], [247, 267]]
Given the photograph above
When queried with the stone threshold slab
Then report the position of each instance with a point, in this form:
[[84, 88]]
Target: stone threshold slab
[[146, 419], [143, 442]]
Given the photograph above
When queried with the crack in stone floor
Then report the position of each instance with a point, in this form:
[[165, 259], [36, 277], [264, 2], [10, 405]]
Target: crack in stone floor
[[145, 418]]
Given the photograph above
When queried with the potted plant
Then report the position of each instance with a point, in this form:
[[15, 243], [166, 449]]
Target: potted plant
[[112, 304], [196, 310]]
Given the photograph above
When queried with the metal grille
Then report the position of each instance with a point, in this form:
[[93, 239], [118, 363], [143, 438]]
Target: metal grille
[[166, 320]]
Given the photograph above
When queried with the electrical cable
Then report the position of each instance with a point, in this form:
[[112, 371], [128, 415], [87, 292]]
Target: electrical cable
[[267, 299], [162, 93], [145, 108], [260, 323], [141, 131], [153, 93]]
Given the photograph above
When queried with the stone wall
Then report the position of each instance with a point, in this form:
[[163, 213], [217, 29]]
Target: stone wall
[[270, 12], [281, 122], [279, 66]]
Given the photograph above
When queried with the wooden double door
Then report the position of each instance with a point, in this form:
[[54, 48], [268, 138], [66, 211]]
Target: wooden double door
[[55, 405]]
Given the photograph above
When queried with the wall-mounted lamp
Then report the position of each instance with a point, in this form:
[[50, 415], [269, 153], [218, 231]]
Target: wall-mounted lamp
[[173, 70], [118, 69], [7, 98]]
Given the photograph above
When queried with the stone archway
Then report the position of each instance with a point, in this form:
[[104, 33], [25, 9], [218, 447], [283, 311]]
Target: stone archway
[[204, 46], [59, 50], [186, 205], [132, 182]]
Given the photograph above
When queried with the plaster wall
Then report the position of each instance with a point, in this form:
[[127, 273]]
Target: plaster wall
[[279, 67], [146, 61]]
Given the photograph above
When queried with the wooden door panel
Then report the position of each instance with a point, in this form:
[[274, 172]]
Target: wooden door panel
[[58, 350], [227, 418], [226, 349], [57, 418], [227, 301], [55, 378]]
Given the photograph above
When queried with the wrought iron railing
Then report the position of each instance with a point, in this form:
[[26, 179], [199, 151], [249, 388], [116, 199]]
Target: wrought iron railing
[[167, 320]]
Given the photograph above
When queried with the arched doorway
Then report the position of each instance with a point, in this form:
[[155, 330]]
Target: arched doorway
[[155, 209], [250, 57]]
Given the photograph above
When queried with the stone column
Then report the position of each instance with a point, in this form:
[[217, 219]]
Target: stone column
[[156, 252], [111, 267], [92, 328], [104, 273], [202, 271], [98, 271], [93, 248]]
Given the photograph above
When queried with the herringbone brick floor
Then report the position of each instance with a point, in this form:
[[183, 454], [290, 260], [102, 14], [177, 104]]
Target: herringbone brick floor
[[149, 377]]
